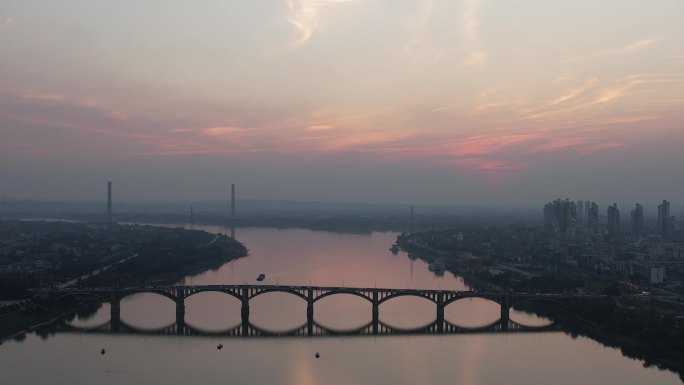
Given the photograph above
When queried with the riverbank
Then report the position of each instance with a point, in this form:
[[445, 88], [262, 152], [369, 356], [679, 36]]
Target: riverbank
[[642, 328], [162, 256]]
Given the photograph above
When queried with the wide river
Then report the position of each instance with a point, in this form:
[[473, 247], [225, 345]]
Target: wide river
[[302, 257]]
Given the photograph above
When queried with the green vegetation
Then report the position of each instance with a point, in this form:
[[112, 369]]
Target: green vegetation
[[97, 255]]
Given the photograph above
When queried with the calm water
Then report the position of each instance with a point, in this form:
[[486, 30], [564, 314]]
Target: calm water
[[301, 257]]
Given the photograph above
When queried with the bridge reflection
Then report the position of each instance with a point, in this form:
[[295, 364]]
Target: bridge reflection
[[308, 329]]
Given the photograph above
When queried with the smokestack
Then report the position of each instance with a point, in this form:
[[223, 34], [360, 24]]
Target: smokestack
[[109, 201], [192, 219], [232, 200]]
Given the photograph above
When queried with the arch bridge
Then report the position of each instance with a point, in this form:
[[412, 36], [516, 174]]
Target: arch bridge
[[310, 294]]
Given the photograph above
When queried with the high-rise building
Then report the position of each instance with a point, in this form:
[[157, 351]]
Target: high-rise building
[[592, 218], [587, 208], [613, 221], [665, 221], [663, 214], [560, 216], [637, 217], [580, 212]]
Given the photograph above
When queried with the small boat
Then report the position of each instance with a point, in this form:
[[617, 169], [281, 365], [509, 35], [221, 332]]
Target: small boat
[[394, 249], [102, 351], [318, 355], [219, 347], [261, 277]]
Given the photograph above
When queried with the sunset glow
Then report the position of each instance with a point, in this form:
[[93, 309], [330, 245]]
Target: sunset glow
[[526, 91]]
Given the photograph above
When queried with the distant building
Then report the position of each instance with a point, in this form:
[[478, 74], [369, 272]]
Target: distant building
[[637, 222], [580, 212], [613, 221], [666, 222], [592, 218], [560, 217], [657, 274], [587, 208]]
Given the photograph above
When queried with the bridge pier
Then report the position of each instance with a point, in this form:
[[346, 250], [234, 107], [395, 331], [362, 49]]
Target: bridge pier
[[115, 311], [440, 312], [505, 312], [376, 312], [309, 312], [244, 311], [180, 310]]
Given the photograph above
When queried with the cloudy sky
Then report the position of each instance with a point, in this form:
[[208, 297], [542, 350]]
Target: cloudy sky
[[402, 101]]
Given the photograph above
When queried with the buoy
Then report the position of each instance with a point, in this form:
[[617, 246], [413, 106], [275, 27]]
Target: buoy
[[318, 355], [102, 351], [219, 347]]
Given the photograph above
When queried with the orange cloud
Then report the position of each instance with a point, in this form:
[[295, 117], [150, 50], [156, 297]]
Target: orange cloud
[[221, 131], [487, 144], [321, 127]]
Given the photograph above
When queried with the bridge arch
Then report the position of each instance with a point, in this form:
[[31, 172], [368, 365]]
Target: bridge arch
[[198, 331], [407, 294], [350, 292], [163, 330], [162, 293], [494, 299], [473, 329], [276, 290], [216, 290], [422, 329]]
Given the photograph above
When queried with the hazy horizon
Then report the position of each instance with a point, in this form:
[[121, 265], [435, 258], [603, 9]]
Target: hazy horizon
[[468, 102]]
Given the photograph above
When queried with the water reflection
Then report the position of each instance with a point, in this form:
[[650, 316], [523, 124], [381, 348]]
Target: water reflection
[[343, 311], [147, 310], [408, 312], [472, 312], [307, 329], [212, 311], [277, 311], [302, 257]]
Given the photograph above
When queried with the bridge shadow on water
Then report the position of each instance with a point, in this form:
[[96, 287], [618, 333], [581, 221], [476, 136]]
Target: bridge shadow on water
[[308, 329]]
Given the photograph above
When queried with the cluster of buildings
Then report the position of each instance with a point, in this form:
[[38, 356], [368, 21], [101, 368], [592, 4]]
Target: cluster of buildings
[[604, 245], [38, 247], [570, 219]]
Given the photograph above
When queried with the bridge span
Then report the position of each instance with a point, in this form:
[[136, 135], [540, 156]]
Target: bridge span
[[310, 294]]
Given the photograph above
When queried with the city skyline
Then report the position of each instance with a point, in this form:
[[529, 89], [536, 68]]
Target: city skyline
[[423, 102]]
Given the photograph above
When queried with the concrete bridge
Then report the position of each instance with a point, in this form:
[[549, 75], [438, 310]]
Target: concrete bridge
[[310, 294]]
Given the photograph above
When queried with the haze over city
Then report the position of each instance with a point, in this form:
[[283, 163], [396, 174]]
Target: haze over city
[[446, 102]]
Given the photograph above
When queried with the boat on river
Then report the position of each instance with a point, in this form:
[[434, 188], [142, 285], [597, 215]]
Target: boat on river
[[261, 277]]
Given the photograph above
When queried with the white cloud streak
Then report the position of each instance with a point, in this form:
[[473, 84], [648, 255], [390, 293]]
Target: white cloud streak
[[622, 50], [304, 15], [476, 56]]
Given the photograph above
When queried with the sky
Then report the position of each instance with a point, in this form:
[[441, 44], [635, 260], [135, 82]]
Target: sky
[[464, 102]]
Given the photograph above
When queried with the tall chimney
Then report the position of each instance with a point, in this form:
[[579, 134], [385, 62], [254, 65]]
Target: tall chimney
[[232, 200], [109, 201]]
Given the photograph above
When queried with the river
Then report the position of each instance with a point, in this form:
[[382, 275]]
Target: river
[[302, 257]]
